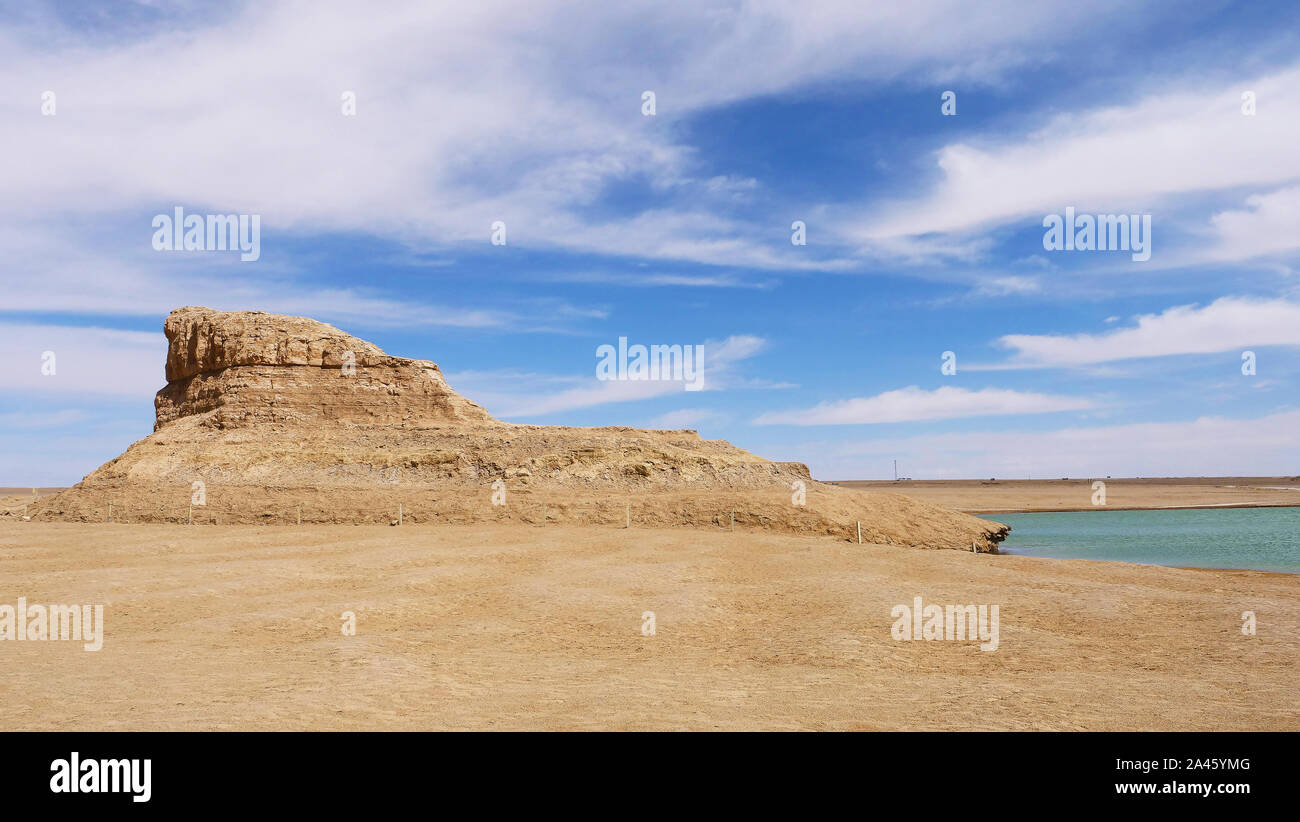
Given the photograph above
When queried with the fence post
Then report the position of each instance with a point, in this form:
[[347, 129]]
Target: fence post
[[399, 513], [859, 532], [191, 522], [300, 513], [628, 523]]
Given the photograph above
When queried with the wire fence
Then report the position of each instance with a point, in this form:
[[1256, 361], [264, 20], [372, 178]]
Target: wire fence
[[296, 507]]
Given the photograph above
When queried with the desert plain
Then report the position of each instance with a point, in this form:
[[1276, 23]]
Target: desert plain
[[518, 627]]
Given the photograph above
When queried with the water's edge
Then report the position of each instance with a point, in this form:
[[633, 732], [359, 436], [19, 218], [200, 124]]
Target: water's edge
[[1240, 538]]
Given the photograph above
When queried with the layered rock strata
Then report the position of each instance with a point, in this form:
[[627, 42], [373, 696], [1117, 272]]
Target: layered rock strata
[[274, 419]]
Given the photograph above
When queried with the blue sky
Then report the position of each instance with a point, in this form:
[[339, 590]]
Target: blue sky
[[924, 231]]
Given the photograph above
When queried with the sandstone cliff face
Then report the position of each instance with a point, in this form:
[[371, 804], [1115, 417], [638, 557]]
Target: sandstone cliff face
[[275, 418], [247, 366]]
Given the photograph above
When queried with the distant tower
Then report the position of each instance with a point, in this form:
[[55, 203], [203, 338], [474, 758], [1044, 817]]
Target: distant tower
[[895, 470]]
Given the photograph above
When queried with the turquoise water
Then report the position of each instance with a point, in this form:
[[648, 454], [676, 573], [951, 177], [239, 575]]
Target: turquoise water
[[1265, 539]]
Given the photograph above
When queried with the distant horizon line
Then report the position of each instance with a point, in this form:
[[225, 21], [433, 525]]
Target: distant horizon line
[[1086, 478]]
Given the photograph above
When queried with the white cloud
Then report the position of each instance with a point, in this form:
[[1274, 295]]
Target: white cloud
[[1209, 446], [685, 418], [506, 395], [1227, 324], [1008, 286], [1113, 160], [25, 420], [50, 275], [596, 392], [642, 279], [86, 360], [1270, 224], [732, 350], [466, 113], [914, 403]]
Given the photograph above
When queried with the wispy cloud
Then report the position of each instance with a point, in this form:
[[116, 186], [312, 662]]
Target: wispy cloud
[[526, 112], [914, 403], [686, 418], [510, 397], [49, 276], [1112, 159], [640, 279], [83, 360], [1269, 224], [1008, 286], [1206, 446], [1227, 324], [27, 420]]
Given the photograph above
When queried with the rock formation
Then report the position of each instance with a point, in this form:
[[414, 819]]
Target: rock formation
[[268, 418], [247, 367]]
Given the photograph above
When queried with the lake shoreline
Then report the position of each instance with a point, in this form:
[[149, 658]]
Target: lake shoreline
[[1260, 539], [1234, 571], [1099, 508]]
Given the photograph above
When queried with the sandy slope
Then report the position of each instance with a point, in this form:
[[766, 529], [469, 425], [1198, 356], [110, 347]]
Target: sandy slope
[[516, 626]]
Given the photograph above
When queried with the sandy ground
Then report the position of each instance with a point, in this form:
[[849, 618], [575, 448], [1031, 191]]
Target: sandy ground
[[986, 496], [519, 627]]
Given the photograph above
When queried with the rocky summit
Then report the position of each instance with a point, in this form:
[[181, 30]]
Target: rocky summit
[[274, 419], [244, 367]]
